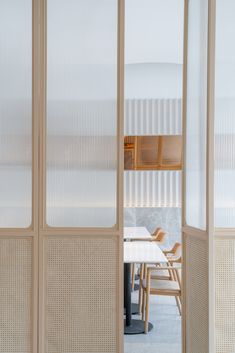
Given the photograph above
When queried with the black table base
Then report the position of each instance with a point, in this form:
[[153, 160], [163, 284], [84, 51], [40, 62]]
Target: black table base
[[134, 309], [136, 327], [131, 327]]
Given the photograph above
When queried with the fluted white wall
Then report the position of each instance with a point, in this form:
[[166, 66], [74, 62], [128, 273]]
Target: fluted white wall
[[153, 117], [152, 188]]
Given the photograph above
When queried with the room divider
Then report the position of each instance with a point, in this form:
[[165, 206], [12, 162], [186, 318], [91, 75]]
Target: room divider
[[209, 198], [61, 162], [61, 176]]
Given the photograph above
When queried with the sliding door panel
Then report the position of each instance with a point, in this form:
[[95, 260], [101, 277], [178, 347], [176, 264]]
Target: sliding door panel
[[81, 113], [195, 234], [80, 240], [224, 176]]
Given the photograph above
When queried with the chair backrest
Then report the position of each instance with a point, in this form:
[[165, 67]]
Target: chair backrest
[[157, 231], [177, 250], [159, 236]]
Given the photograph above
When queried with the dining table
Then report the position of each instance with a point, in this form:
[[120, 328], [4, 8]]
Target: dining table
[[140, 252], [136, 233]]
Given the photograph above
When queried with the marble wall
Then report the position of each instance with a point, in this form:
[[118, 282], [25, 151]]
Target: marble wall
[[168, 218]]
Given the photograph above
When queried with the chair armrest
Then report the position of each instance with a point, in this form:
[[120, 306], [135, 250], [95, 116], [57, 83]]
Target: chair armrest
[[177, 267], [167, 252]]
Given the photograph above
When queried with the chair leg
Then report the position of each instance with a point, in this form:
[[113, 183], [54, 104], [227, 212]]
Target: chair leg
[[178, 304], [133, 277], [146, 312], [140, 288], [143, 304]]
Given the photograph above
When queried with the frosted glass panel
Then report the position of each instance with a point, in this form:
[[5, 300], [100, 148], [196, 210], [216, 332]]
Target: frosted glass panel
[[81, 113], [15, 113], [196, 114], [225, 115]]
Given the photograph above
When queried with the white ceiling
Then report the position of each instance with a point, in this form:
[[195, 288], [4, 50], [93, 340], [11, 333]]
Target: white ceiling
[[154, 31]]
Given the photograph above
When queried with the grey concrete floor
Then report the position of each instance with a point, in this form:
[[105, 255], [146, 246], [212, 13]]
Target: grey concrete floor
[[165, 336]]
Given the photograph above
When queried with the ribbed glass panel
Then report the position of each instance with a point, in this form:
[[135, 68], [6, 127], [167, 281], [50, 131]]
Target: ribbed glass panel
[[81, 113], [196, 114], [15, 113], [153, 117], [225, 116]]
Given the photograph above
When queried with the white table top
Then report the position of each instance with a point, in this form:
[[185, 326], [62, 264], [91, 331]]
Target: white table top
[[143, 252], [136, 233]]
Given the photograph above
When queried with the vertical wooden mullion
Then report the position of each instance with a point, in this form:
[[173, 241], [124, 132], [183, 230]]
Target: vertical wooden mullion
[[184, 115], [210, 169], [120, 169], [35, 165], [42, 166]]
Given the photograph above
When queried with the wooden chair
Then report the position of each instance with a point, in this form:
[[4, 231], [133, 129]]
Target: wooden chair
[[174, 256], [158, 235], [175, 253], [170, 287]]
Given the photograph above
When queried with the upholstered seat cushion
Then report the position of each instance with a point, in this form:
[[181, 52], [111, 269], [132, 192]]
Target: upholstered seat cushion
[[160, 274]]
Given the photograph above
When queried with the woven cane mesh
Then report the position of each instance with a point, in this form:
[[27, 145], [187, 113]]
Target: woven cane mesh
[[81, 295], [196, 296], [15, 295], [225, 295]]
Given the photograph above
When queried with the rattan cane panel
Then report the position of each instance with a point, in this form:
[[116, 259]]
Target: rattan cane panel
[[15, 295], [196, 296], [81, 295], [225, 295]]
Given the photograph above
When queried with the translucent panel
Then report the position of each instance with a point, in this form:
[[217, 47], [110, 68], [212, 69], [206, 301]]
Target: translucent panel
[[225, 115], [196, 114], [15, 113], [81, 113]]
